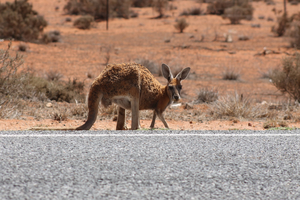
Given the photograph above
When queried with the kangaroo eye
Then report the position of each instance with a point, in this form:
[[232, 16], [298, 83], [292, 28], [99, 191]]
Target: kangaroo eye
[[170, 87], [179, 87]]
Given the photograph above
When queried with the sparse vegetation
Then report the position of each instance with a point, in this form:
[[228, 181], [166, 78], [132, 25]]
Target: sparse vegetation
[[97, 8], [16, 83], [150, 65], [287, 79], [237, 106], [22, 47], [181, 24], [233, 10], [51, 36], [231, 74], [19, 21], [206, 95], [84, 22], [160, 6], [236, 13], [53, 76], [192, 11]]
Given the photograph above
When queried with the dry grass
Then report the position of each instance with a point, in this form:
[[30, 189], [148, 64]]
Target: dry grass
[[149, 64], [237, 106], [231, 74], [181, 24], [287, 79], [84, 22], [206, 95]]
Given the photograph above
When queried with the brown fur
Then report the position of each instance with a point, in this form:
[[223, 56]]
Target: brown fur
[[131, 86]]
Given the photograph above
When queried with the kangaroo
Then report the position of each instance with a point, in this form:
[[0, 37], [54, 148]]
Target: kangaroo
[[131, 87]]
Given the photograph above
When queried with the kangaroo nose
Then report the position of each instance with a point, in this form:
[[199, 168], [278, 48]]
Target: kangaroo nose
[[176, 98]]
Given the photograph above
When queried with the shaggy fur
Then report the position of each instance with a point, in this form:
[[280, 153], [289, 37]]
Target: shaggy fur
[[132, 87]]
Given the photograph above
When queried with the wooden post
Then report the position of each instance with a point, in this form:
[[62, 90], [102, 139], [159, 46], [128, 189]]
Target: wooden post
[[107, 13]]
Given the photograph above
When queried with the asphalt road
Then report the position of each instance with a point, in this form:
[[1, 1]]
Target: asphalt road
[[150, 165]]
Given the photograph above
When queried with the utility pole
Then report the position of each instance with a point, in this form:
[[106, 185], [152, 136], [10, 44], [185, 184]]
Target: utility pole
[[284, 7], [107, 13]]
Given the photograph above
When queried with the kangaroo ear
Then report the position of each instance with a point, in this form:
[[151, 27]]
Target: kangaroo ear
[[183, 74], [166, 71]]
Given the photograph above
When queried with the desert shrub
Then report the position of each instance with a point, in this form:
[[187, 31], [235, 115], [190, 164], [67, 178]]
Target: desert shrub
[[283, 25], [160, 6], [19, 21], [295, 42], [206, 95], [150, 65], [51, 36], [236, 106], [84, 22], [181, 24], [234, 10], [192, 11], [97, 8], [22, 47], [236, 13], [287, 79], [142, 3], [230, 74], [53, 75], [294, 30]]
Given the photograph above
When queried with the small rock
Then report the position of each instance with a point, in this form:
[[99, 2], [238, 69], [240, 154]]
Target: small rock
[[249, 124], [255, 25], [49, 105], [188, 106]]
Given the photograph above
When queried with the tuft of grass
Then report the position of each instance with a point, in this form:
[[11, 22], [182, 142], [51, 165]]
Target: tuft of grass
[[231, 74], [192, 11], [150, 65], [267, 74], [160, 6], [53, 76], [22, 47], [206, 95], [236, 106], [181, 24], [51, 36], [274, 124], [84, 22], [60, 116]]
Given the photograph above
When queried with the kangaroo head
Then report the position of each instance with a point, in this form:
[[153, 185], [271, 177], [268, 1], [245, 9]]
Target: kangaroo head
[[174, 84]]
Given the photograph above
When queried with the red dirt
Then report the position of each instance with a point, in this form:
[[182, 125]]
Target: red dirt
[[83, 51]]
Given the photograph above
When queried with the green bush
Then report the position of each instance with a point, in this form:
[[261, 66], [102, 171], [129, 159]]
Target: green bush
[[97, 8], [19, 21], [84, 22], [287, 79]]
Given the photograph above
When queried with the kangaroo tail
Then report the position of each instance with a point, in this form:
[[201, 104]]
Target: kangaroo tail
[[94, 98]]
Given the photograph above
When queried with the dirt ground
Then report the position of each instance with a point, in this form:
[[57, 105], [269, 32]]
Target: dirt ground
[[83, 52]]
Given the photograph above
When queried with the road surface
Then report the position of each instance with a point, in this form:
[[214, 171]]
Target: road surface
[[150, 165]]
